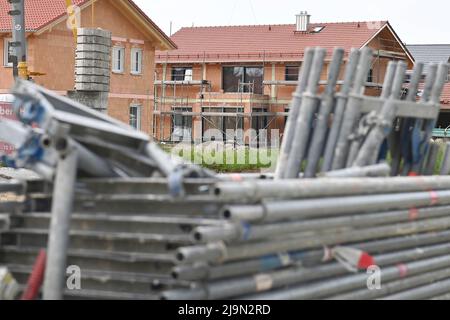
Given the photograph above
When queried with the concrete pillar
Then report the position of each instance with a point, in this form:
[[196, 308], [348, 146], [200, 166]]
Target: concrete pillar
[[273, 87], [164, 79], [92, 68], [197, 128], [204, 71]]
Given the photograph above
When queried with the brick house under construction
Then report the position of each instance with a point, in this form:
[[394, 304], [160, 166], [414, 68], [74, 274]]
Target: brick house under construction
[[51, 50], [242, 77]]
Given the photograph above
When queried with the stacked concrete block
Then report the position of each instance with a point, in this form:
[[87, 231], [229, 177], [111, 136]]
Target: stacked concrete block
[[92, 68], [97, 100], [93, 56]]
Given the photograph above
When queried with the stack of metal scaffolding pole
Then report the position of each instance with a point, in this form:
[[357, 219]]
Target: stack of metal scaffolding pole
[[191, 253], [276, 248], [342, 129], [352, 111], [341, 102], [143, 225], [303, 125], [106, 147], [293, 114], [325, 109]]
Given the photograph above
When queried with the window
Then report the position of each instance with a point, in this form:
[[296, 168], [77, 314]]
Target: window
[[286, 110], [136, 61], [182, 125], [292, 73], [370, 76], [118, 59], [228, 125], [318, 29], [259, 123], [243, 79], [135, 117], [254, 75], [232, 77], [408, 77], [182, 74], [7, 50]]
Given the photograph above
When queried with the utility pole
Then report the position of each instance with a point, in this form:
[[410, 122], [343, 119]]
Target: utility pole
[[19, 44]]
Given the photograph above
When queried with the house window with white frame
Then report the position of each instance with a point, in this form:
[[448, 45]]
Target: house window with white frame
[[136, 61], [181, 125], [135, 116], [182, 74], [7, 50], [118, 59]]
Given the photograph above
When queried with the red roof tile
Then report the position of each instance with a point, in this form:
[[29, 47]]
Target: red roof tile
[[445, 98], [254, 43], [38, 13]]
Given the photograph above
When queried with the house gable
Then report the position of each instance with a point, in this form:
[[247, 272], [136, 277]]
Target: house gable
[[387, 42], [42, 15]]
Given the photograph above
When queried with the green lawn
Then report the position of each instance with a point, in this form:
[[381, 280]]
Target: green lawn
[[244, 159], [226, 161]]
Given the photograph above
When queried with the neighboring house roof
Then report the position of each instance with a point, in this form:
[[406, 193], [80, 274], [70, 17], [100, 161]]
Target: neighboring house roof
[[269, 42], [445, 98], [38, 13], [430, 53], [41, 13], [433, 53]]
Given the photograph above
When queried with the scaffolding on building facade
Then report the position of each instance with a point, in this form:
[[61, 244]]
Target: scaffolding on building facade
[[261, 112]]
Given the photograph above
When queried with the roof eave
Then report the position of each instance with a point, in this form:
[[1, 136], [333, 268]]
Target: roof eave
[[403, 46], [164, 41], [49, 25], [9, 31]]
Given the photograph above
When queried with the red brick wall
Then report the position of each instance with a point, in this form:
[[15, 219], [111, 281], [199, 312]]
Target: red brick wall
[[276, 98], [52, 52]]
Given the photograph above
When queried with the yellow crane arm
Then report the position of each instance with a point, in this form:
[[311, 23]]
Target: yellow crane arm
[[72, 18]]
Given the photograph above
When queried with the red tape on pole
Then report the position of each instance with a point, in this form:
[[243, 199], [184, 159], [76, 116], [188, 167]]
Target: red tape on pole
[[413, 214], [36, 278], [365, 261], [434, 198], [402, 270], [236, 177]]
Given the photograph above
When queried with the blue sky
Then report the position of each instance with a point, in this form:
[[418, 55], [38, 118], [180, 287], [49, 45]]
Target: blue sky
[[415, 21]]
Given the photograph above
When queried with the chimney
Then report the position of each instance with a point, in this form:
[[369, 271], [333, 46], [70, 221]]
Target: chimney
[[302, 21]]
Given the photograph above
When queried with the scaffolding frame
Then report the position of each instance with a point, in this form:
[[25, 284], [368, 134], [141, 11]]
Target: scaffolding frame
[[166, 107]]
